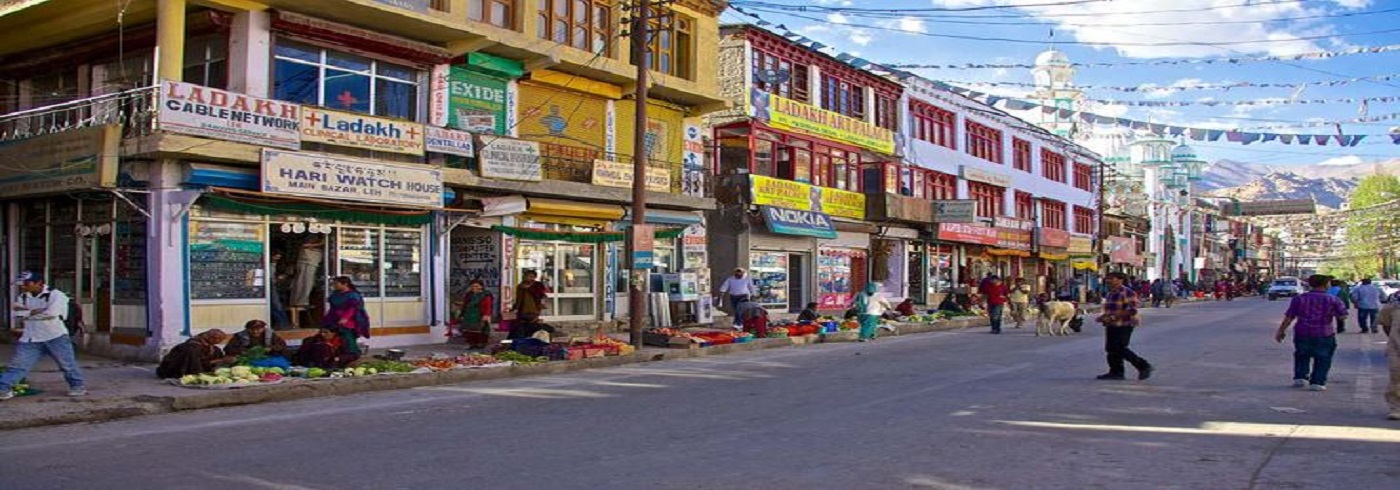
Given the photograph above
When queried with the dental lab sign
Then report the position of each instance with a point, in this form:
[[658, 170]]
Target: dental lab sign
[[347, 179], [361, 131]]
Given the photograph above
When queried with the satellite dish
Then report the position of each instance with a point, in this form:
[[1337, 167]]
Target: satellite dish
[[773, 76]]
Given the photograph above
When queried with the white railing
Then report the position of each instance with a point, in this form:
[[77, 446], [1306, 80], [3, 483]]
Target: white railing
[[134, 109]]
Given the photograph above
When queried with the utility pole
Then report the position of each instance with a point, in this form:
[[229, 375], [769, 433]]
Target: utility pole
[[1101, 231], [637, 287]]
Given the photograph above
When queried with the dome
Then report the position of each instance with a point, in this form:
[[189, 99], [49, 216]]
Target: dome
[[1183, 153], [1051, 57]]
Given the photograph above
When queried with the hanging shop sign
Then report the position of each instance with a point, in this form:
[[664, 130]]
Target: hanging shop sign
[[693, 153], [334, 177], [80, 159], [985, 176], [1013, 238], [451, 142], [968, 233], [1013, 223], [361, 131], [643, 244], [1051, 237], [470, 100], [768, 191], [191, 109], [420, 6], [783, 113], [798, 222], [510, 159], [694, 247], [902, 208], [1081, 245], [616, 174], [955, 211], [1123, 250]]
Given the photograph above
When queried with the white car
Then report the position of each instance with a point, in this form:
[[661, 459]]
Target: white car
[[1389, 288], [1285, 286]]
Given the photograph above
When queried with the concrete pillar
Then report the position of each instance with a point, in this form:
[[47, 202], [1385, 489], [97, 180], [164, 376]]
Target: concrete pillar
[[250, 53], [167, 300], [170, 39]]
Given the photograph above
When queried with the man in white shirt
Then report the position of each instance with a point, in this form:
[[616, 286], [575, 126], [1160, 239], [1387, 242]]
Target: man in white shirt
[[739, 288], [1367, 298], [41, 310]]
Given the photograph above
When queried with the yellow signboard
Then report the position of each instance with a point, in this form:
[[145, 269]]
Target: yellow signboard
[[616, 174], [768, 191], [783, 113]]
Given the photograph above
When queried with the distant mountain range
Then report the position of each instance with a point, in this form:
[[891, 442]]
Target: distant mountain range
[[1329, 185]]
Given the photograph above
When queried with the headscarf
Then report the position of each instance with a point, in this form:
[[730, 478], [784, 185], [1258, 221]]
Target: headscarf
[[863, 299], [212, 337]]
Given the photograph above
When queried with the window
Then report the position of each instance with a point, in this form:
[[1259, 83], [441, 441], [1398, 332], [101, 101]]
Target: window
[[311, 75], [567, 269], [1052, 214], [672, 45], [781, 76], [983, 142], [886, 112], [583, 24], [1021, 154], [990, 199], [206, 61], [1025, 205], [942, 186], [1083, 177], [1052, 165], [843, 97], [933, 124], [792, 158], [1083, 220], [499, 13]]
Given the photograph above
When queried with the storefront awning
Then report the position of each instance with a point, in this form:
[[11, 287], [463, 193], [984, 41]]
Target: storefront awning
[[1008, 252], [560, 212], [1084, 264], [663, 217], [1054, 256]]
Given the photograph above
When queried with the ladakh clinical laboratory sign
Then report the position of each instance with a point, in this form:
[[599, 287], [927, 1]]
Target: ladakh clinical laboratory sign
[[348, 179]]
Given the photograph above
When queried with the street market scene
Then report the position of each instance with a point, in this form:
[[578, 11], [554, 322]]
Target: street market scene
[[958, 244]]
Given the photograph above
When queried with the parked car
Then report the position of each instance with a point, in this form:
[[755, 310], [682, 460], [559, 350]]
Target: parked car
[[1285, 286], [1389, 289]]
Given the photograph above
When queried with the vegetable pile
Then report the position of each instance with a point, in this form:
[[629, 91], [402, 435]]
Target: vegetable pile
[[237, 375]]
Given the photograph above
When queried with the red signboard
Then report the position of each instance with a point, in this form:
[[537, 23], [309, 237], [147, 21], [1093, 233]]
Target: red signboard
[[968, 233], [1050, 237]]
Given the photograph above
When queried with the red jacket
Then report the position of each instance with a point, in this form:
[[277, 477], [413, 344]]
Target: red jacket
[[995, 294]]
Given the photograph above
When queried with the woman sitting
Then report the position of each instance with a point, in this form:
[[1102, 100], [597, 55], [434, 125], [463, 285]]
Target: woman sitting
[[808, 314], [256, 334], [200, 354], [950, 304], [325, 350], [903, 309]]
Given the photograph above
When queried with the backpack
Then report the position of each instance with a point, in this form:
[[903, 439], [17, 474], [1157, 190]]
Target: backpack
[[73, 319]]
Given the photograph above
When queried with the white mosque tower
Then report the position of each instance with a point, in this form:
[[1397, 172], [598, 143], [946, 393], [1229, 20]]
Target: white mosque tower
[[1054, 87]]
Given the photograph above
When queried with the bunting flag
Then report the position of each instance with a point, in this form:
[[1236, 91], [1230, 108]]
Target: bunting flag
[[1267, 101], [1209, 61], [1174, 88]]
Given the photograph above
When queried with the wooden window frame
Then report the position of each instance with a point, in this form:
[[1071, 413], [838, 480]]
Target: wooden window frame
[[991, 199], [933, 124], [1021, 154], [843, 96], [1083, 177], [886, 112], [1083, 220], [1052, 214], [673, 45], [1025, 205], [481, 10], [798, 85], [1052, 165], [549, 13], [942, 186], [984, 141]]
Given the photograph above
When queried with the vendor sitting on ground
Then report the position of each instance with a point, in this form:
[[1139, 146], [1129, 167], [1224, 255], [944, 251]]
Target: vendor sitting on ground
[[754, 318], [200, 354], [256, 334], [904, 308], [325, 350], [950, 304], [525, 327], [808, 314]]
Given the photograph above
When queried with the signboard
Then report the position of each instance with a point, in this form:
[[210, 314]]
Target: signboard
[[510, 159], [798, 222], [615, 174], [361, 131], [1013, 223], [1013, 238], [438, 140], [905, 208], [420, 6], [1122, 250], [768, 191], [693, 153], [783, 113], [643, 241], [191, 109], [1081, 245], [476, 102], [334, 177], [986, 176], [694, 247], [968, 233], [79, 159], [955, 211], [1050, 237], [1268, 208]]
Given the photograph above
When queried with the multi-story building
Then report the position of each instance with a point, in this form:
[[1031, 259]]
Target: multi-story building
[[182, 166]]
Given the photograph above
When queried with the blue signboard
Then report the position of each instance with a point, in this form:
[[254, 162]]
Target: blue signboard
[[801, 223]]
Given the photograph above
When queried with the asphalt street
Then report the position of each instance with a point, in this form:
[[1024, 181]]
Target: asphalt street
[[951, 410]]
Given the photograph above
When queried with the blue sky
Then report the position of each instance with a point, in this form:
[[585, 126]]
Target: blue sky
[[1192, 30]]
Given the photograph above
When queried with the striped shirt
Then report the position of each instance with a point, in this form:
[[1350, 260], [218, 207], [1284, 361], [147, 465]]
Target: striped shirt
[[1120, 308], [1315, 312]]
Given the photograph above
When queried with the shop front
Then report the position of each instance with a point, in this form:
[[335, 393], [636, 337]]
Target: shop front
[[1083, 261], [894, 262], [971, 243], [1013, 249], [565, 244], [1052, 247]]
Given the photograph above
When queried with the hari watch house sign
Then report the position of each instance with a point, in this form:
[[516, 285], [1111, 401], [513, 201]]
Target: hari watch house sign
[[349, 179]]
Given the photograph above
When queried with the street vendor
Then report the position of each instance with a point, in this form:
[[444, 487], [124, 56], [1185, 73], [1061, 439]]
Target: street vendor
[[950, 303], [808, 314], [904, 308], [326, 350], [753, 318], [474, 323], [200, 354], [256, 334]]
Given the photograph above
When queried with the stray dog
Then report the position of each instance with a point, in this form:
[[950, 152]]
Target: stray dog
[[1062, 312]]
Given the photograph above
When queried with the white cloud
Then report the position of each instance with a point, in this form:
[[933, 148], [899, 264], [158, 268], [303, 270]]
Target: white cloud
[[1155, 91], [910, 25], [838, 25], [1119, 25], [1343, 161]]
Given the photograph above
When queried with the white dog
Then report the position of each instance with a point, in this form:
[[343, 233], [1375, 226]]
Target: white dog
[[1055, 311]]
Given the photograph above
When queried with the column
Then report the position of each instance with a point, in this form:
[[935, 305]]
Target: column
[[250, 53], [167, 302], [170, 39]]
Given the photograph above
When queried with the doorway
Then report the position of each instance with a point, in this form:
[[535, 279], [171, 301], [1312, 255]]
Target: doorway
[[298, 265], [797, 283]]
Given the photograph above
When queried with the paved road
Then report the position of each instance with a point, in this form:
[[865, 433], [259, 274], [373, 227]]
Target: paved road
[[953, 410]]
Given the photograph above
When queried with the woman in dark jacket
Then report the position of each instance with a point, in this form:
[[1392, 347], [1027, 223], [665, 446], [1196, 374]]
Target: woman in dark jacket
[[347, 316], [200, 354]]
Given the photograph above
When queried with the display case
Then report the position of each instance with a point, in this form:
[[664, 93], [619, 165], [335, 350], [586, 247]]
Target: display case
[[227, 260], [403, 275], [769, 271], [358, 253]]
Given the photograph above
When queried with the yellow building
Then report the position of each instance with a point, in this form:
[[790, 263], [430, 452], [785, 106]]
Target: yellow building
[[181, 165]]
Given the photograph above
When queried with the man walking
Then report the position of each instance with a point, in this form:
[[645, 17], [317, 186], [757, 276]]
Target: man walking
[[994, 292], [1367, 298], [1119, 319], [42, 309], [1314, 340], [1020, 299], [739, 288]]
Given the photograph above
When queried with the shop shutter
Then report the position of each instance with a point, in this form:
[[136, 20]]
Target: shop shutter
[[666, 124], [562, 117]]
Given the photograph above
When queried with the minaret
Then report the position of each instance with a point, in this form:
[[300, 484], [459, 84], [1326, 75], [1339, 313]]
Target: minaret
[[1054, 87]]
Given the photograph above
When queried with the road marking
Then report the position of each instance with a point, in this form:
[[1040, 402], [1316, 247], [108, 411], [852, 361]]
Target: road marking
[[1319, 432]]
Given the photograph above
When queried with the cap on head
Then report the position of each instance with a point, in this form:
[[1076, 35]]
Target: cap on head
[[30, 276]]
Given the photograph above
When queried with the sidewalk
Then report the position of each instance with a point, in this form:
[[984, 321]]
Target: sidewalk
[[120, 389]]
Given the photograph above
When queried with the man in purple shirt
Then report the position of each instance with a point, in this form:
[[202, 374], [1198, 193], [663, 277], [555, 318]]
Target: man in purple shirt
[[1314, 339]]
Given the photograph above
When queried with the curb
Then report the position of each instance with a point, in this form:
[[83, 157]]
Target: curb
[[115, 408]]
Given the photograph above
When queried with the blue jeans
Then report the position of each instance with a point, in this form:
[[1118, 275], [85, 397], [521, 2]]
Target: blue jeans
[[1366, 318], [28, 353], [1313, 355], [734, 301], [994, 314]]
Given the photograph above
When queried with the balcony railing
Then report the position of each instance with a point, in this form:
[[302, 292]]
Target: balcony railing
[[575, 164], [134, 109]]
